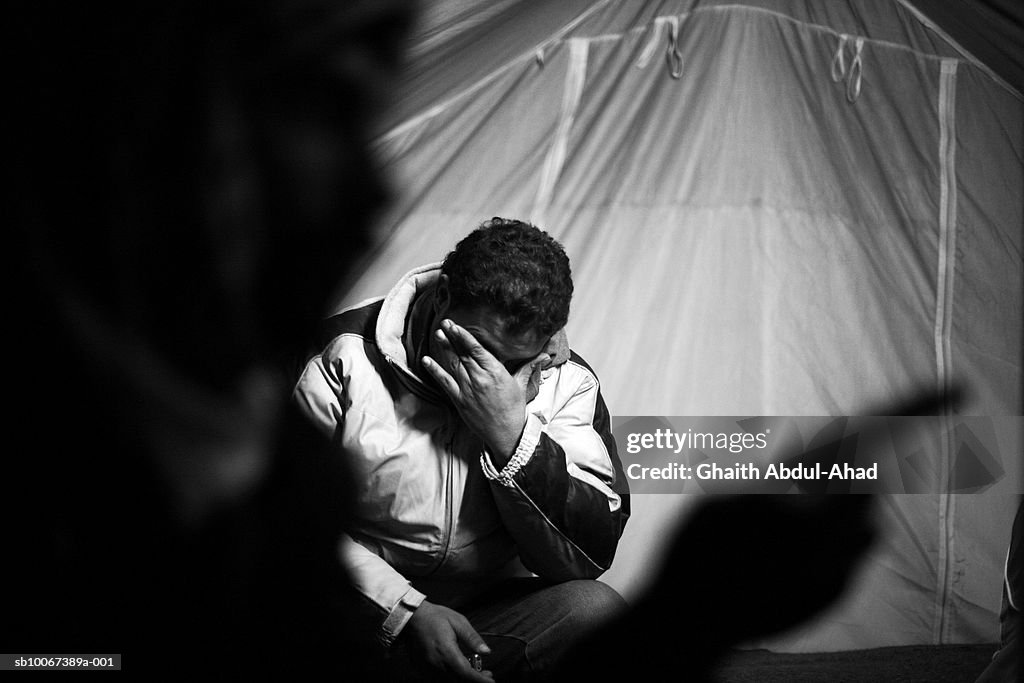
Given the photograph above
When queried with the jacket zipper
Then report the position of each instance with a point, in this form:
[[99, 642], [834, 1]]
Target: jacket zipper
[[448, 502]]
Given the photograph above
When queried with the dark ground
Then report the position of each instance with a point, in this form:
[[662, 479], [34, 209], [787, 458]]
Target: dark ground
[[924, 664]]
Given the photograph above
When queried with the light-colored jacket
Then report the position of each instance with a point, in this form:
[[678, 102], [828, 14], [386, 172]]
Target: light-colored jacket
[[431, 508]]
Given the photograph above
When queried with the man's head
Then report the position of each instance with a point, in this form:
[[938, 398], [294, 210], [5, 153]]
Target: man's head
[[509, 284]]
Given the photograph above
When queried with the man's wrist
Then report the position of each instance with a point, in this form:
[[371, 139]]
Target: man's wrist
[[503, 446], [505, 472]]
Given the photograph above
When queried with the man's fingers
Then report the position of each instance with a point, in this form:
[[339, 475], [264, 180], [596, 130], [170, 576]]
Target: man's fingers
[[524, 373], [458, 665], [468, 638], [541, 362], [528, 376], [447, 358], [450, 386], [465, 344], [442, 340]]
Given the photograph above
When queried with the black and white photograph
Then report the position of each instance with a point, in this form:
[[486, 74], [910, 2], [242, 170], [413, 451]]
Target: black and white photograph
[[518, 340]]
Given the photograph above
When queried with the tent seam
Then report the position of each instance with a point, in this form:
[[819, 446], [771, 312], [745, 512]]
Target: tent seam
[[943, 328], [575, 79]]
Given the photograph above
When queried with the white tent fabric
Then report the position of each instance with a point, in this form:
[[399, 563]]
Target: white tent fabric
[[772, 207]]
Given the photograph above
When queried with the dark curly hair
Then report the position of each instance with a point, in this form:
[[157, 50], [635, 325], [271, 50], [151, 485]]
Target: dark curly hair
[[516, 269]]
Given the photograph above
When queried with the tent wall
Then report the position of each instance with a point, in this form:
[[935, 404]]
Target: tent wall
[[821, 213]]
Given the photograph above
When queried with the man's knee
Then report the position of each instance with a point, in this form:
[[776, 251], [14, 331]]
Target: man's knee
[[572, 612], [592, 602]]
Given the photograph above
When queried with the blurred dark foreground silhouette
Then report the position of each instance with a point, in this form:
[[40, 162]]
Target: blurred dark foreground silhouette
[[741, 567], [192, 180]]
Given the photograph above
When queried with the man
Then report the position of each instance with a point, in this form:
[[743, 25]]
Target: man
[[479, 448]]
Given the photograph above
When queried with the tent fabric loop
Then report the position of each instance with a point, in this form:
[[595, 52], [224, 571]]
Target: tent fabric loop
[[853, 80], [672, 55], [839, 60], [852, 75]]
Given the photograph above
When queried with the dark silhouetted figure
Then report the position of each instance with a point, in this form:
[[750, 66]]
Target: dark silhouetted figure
[[741, 567], [192, 180]]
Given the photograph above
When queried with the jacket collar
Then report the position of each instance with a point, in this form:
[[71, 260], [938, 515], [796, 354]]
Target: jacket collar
[[392, 323]]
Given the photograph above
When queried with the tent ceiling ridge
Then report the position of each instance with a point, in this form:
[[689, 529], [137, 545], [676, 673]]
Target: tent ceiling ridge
[[562, 35], [878, 42], [827, 29], [843, 218]]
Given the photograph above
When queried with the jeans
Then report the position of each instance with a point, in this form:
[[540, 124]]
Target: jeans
[[528, 623]]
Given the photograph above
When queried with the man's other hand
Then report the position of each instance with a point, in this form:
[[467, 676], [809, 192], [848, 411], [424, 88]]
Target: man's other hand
[[528, 376], [443, 639]]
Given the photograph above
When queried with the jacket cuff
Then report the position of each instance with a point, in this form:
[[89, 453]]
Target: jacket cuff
[[524, 451], [399, 616]]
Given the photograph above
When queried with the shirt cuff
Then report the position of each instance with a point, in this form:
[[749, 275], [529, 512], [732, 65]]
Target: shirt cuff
[[524, 451], [400, 615]]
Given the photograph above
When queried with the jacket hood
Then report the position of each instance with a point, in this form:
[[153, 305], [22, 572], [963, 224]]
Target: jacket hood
[[390, 335]]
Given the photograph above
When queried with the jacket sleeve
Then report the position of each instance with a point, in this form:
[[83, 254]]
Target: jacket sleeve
[[392, 598], [320, 394], [563, 495]]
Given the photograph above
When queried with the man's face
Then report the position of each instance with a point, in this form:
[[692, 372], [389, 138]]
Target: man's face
[[489, 329]]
